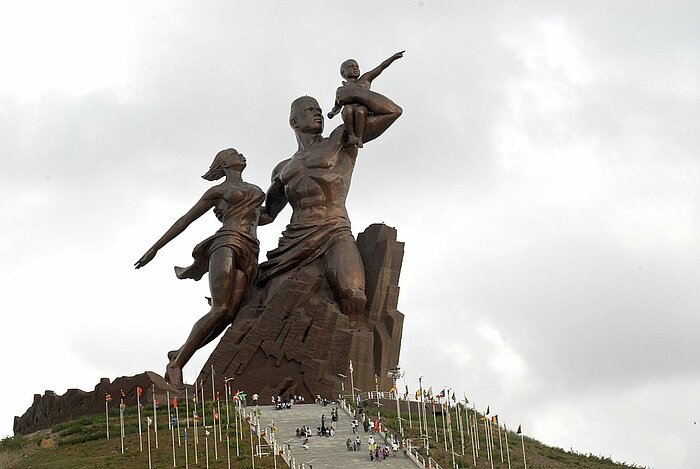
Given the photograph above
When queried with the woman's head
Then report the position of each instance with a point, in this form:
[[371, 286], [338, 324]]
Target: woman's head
[[228, 158]]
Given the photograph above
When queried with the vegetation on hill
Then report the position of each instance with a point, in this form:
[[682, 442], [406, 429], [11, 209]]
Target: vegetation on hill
[[82, 444], [537, 454]]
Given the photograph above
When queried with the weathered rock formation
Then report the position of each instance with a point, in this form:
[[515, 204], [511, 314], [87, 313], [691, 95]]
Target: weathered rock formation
[[50, 409], [290, 336]]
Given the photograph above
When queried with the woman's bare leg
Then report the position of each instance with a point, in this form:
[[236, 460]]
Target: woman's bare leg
[[221, 281]]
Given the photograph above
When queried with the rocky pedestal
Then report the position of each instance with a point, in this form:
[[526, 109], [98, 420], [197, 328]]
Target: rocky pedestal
[[291, 338]]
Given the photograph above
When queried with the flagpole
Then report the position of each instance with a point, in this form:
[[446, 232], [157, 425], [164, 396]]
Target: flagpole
[[228, 423], [473, 438], [218, 405], [148, 432], [408, 402], [475, 426], [437, 438], [500, 442], [444, 429], [204, 413], [449, 426], [187, 437], [194, 423], [426, 435], [206, 444], [155, 414], [505, 432], [352, 384], [138, 412], [460, 422], [522, 441], [170, 424], [488, 441], [177, 419], [107, 412], [213, 414], [121, 422], [187, 409]]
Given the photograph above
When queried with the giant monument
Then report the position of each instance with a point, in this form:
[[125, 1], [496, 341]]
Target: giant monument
[[307, 317]]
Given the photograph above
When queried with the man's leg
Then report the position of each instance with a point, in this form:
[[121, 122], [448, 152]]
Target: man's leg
[[346, 277]]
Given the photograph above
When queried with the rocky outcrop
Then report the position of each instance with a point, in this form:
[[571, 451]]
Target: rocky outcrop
[[291, 338], [49, 409]]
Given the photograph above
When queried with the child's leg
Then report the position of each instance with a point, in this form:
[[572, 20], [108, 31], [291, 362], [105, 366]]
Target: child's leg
[[360, 118], [349, 120]]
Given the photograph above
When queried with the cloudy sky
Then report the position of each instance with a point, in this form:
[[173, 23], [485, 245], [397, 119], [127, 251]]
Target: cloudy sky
[[544, 177]]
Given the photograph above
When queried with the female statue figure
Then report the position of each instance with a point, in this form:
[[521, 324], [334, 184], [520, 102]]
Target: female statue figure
[[230, 255]]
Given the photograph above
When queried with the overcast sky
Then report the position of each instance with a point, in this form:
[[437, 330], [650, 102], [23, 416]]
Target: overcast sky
[[544, 177]]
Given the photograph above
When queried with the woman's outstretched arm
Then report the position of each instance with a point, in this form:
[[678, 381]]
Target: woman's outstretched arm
[[200, 208]]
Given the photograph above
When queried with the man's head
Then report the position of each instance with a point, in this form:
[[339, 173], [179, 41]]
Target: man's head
[[349, 69], [305, 115]]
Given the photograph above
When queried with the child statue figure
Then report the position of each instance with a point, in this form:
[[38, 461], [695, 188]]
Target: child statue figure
[[355, 114]]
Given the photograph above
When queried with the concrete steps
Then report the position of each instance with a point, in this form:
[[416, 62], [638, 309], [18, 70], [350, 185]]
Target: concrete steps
[[324, 452]]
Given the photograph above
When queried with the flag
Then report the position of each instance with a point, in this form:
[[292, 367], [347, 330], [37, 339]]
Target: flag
[[406, 395], [487, 410], [442, 394], [430, 392], [417, 394], [216, 415], [466, 401], [376, 380], [494, 419], [139, 391], [393, 389], [520, 430], [108, 397], [350, 366], [454, 396], [149, 421], [175, 402], [218, 397]]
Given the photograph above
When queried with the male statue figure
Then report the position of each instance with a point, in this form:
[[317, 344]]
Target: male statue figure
[[315, 181]]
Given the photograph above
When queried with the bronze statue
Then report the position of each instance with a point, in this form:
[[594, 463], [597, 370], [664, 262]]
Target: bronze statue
[[230, 255], [354, 113], [315, 181]]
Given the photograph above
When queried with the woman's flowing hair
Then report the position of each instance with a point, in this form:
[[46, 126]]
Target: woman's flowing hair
[[216, 170]]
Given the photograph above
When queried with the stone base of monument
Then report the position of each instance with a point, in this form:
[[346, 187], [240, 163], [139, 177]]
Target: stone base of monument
[[291, 338]]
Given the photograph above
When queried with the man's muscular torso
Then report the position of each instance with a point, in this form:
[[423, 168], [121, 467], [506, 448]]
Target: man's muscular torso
[[317, 180]]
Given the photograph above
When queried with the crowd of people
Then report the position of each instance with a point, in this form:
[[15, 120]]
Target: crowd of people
[[286, 401]]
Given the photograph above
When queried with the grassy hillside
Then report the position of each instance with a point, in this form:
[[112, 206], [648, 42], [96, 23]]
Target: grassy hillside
[[538, 455], [82, 444]]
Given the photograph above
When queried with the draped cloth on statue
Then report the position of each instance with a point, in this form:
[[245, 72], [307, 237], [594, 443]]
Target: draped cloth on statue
[[245, 249], [303, 243], [239, 217]]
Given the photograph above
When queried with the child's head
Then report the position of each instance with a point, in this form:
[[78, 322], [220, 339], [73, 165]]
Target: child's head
[[349, 69]]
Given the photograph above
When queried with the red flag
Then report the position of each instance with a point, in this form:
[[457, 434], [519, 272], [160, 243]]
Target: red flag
[[175, 402], [442, 394], [216, 415], [108, 397], [139, 391]]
